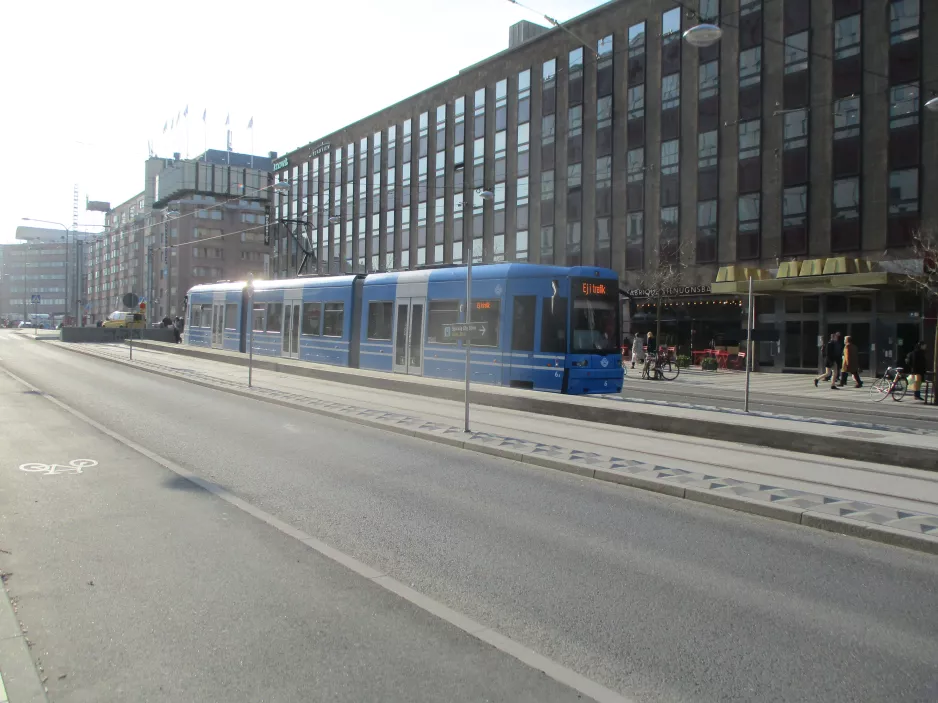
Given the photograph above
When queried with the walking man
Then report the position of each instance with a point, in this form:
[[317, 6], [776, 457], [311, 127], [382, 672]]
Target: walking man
[[916, 364], [832, 353]]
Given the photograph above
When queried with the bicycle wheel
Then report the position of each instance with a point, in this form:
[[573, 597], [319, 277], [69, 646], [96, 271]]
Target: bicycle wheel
[[899, 390], [669, 370], [880, 389]]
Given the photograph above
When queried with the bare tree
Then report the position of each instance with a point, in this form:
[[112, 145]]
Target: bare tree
[[925, 247], [663, 281]]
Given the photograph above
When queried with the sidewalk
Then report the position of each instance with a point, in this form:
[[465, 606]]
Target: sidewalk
[[886, 503]]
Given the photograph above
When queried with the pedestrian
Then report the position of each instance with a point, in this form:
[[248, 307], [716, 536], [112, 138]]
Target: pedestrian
[[851, 362], [638, 350], [916, 362], [832, 354]]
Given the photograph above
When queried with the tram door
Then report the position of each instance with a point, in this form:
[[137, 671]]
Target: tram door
[[408, 335], [218, 322], [292, 304]]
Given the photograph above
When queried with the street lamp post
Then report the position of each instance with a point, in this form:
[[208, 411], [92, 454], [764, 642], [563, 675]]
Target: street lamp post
[[486, 195]]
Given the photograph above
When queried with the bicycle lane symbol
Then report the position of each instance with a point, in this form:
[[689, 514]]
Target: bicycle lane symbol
[[75, 466]]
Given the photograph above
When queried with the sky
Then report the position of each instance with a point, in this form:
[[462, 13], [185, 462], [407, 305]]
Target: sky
[[88, 85]]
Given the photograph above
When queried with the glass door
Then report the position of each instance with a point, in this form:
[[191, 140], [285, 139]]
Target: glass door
[[218, 325], [290, 344], [408, 335]]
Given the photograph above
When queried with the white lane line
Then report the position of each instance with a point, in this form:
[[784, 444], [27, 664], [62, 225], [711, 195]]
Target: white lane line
[[506, 645]]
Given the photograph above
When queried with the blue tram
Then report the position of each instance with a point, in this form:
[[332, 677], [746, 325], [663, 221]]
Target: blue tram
[[546, 327]]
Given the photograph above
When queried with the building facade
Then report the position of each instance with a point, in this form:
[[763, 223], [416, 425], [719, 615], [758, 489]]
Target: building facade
[[39, 265], [797, 140], [198, 220]]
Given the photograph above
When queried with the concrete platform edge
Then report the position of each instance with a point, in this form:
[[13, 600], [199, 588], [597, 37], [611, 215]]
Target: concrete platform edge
[[727, 431], [829, 523], [20, 681]]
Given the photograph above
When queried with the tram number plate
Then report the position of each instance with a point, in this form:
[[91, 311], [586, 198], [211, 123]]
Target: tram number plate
[[464, 330]]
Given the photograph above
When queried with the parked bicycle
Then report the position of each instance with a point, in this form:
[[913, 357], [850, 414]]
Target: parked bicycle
[[894, 382], [663, 367]]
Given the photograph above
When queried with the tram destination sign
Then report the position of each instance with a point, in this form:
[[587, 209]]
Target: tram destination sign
[[464, 330]]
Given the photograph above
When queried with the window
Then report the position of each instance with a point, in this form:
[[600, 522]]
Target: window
[[847, 37], [636, 98], [747, 7], [796, 129], [231, 317], [521, 245], [332, 319], [847, 118], [750, 66], [604, 111], [670, 24], [903, 105], [847, 198], [670, 91], [439, 313], [637, 39], [794, 206], [574, 120], [708, 83], [796, 53], [903, 20], [634, 240], [379, 320], [749, 212], [487, 312], [706, 231], [554, 325], [903, 191], [522, 323], [274, 316], [670, 158], [547, 185], [312, 318], [636, 164], [709, 11], [707, 149], [549, 70], [548, 127], [750, 137]]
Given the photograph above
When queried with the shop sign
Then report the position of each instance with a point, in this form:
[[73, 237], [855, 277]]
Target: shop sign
[[277, 165], [674, 292]]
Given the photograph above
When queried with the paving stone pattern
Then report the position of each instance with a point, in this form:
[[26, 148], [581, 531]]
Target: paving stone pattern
[[514, 447]]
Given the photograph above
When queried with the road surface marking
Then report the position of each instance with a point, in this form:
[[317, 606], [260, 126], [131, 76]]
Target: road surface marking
[[506, 645], [74, 467]]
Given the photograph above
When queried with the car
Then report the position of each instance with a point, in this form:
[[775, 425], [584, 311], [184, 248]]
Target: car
[[125, 319], [26, 325]]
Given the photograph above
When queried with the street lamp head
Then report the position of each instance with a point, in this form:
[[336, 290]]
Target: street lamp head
[[172, 213], [703, 35], [487, 195], [334, 220], [932, 104], [281, 186]]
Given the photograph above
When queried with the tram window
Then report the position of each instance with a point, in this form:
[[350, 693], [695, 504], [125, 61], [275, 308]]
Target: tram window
[[274, 316], [554, 326], [332, 319], [380, 315], [231, 316], [259, 314], [594, 326], [196, 320], [206, 316], [486, 311], [439, 313], [312, 318], [522, 323]]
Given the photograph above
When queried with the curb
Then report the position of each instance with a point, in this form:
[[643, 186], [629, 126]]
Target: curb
[[19, 678], [857, 449], [806, 518]]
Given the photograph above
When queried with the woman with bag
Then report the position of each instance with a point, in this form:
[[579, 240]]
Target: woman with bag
[[851, 363]]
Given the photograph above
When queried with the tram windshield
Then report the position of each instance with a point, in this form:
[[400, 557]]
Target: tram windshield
[[595, 319]]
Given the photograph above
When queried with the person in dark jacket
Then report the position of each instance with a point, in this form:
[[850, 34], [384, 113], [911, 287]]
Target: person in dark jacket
[[832, 354], [916, 363]]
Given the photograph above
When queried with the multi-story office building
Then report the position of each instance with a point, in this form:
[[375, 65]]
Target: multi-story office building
[[39, 265], [198, 220], [799, 142]]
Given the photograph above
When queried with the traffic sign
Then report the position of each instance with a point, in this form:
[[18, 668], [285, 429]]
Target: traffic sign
[[36, 299], [130, 300], [464, 330]]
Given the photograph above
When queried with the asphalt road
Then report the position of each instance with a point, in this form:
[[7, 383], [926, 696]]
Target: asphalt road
[[659, 599]]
